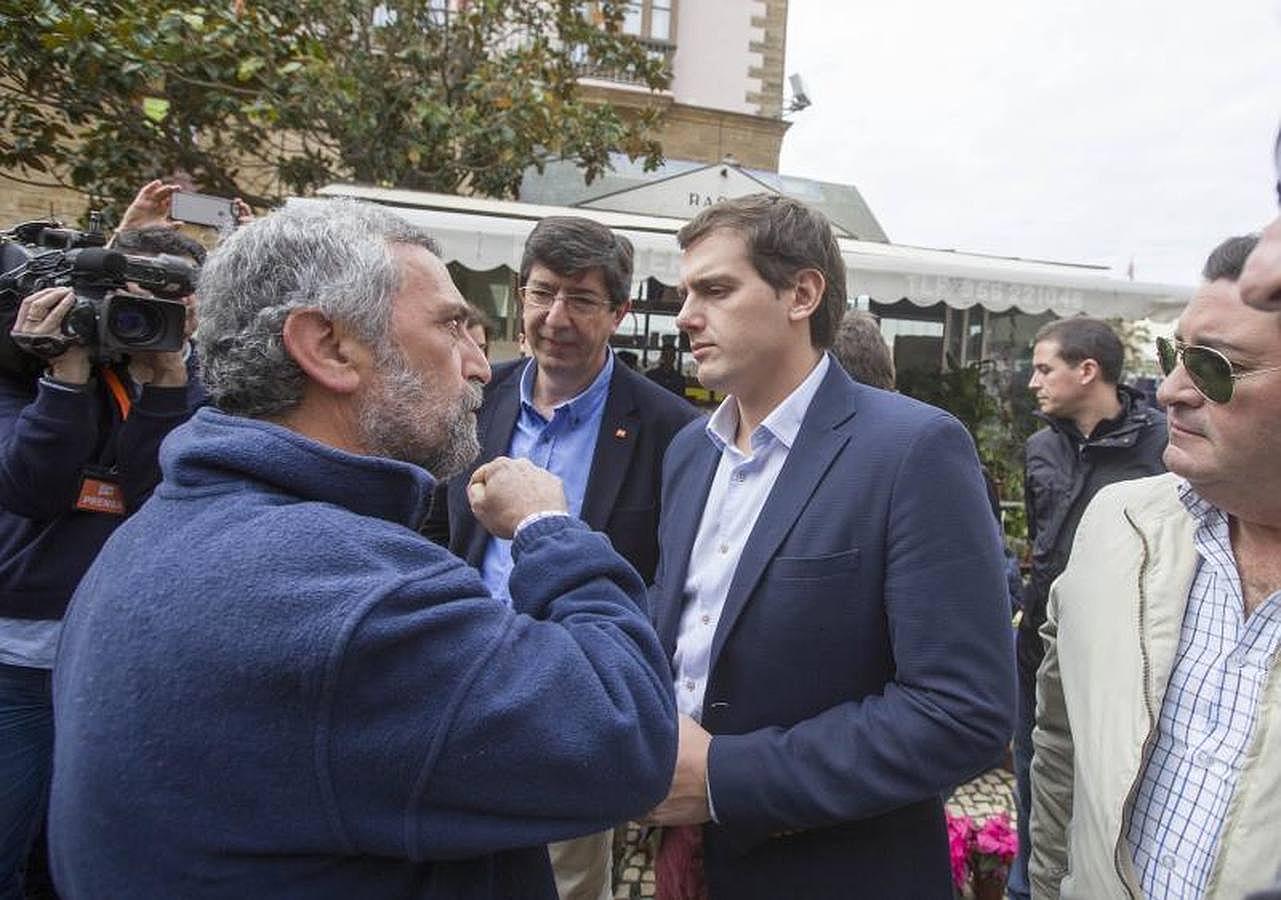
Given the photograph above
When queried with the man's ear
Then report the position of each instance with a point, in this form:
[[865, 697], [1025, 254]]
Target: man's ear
[[325, 350], [1089, 371], [807, 294]]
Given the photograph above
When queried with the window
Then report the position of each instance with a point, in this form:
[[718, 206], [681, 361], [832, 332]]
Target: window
[[651, 22], [633, 18], [660, 19], [650, 19]]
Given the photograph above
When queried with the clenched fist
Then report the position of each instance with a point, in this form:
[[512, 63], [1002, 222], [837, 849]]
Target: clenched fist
[[504, 491]]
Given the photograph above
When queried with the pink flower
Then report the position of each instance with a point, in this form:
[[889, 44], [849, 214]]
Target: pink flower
[[997, 838], [960, 830], [993, 847]]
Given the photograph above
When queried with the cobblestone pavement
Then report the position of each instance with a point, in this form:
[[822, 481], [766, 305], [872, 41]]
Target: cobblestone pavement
[[991, 792], [634, 845]]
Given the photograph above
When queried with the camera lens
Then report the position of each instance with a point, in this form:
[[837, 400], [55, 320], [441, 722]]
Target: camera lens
[[132, 323]]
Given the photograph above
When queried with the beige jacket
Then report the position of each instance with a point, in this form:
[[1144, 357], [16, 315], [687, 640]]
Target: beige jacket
[[1113, 627]]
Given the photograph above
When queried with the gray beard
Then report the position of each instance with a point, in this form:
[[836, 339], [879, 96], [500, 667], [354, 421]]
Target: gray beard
[[402, 419]]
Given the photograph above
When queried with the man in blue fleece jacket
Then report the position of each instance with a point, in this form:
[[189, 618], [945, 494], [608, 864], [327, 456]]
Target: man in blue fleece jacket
[[270, 684]]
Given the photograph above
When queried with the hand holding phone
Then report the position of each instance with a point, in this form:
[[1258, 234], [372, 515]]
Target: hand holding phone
[[203, 209]]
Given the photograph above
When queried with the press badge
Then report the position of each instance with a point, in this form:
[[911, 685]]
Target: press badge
[[100, 492]]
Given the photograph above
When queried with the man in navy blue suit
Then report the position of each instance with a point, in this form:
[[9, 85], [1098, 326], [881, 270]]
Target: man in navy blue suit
[[598, 425], [830, 588]]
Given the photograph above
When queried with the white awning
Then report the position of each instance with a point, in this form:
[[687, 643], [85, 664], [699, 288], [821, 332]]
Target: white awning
[[483, 234]]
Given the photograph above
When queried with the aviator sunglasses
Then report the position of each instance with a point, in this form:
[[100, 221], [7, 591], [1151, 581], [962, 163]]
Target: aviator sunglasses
[[1209, 370]]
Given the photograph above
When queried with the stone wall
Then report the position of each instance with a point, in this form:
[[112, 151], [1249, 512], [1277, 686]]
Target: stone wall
[[707, 135], [768, 101], [24, 202]]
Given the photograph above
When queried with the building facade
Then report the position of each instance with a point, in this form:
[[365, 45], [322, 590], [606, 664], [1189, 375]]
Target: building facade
[[726, 95]]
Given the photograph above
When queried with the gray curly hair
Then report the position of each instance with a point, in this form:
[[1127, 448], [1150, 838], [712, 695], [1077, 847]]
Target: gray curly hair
[[334, 256]]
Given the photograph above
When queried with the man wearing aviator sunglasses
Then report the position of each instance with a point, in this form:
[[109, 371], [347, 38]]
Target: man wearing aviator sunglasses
[[1210, 372], [1163, 633]]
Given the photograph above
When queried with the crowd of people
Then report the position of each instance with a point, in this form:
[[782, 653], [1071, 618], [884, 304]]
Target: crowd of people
[[324, 605]]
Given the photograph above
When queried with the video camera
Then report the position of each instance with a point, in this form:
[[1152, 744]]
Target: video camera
[[105, 316]]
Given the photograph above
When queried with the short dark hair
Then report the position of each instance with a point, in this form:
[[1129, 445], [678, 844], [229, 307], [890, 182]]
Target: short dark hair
[[477, 316], [861, 350], [159, 239], [1228, 259], [1083, 338], [784, 236], [570, 245]]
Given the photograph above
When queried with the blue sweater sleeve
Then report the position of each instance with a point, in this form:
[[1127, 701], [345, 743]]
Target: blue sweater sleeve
[[483, 728], [50, 438], [156, 413], [47, 439]]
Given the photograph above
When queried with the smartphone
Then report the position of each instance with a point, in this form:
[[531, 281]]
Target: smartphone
[[202, 209]]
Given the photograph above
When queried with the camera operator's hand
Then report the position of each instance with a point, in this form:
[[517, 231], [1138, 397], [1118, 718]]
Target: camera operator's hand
[[150, 207], [158, 369], [41, 315], [504, 491], [244, 213]]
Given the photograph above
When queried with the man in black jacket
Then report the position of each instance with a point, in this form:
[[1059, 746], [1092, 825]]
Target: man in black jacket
[[1098, 431]]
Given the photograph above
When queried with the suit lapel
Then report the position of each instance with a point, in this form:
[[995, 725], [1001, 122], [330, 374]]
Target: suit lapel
[[615, 443], [683, 507], [497, 421], [822, 435]]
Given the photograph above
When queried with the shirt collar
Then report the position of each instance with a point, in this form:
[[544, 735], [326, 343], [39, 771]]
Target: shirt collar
[[1208, 517], [578, 408], [782, 424], [1196, 506]]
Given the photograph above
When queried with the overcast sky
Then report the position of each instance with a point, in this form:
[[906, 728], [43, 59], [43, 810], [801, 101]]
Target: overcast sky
[[1086, 131]]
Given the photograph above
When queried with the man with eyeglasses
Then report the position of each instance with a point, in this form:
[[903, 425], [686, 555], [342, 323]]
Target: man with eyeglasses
[[599, 426], [1157, 766]]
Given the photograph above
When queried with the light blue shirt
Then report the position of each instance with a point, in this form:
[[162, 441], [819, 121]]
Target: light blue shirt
[[740, 487], [564, 445]]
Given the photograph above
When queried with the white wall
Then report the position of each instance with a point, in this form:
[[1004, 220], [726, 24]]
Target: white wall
[[712, 56]]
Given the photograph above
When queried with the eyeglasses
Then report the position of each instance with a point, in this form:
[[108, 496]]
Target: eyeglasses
[[1210, 371], [575, 304]]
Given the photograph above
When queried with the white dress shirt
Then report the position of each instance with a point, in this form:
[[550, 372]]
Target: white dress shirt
[[740, 487]]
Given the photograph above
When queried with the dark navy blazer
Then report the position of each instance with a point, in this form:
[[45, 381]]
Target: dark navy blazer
[[863, 663], [622, 496]]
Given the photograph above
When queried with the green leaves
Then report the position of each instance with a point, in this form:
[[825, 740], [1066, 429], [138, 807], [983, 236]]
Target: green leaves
[[269, 97], [155, 108], [248, 67]]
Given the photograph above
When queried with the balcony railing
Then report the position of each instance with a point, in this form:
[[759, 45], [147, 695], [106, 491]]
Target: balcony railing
[[656, 49]]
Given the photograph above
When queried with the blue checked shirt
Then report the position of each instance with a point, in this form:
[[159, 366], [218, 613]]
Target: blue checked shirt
[[1208, 718]]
